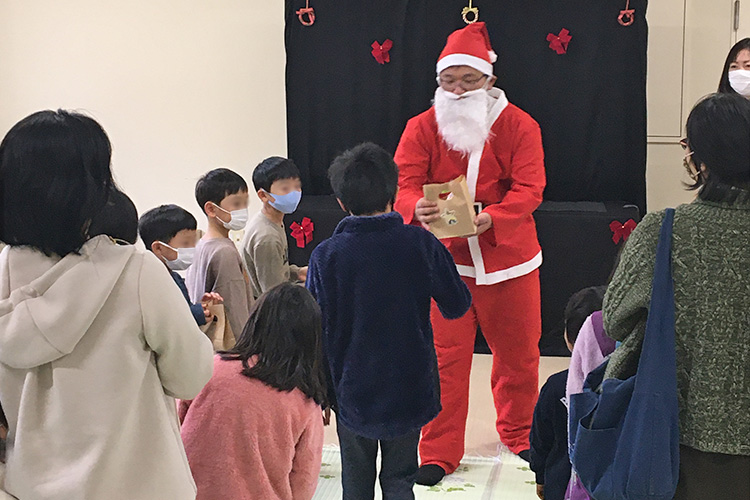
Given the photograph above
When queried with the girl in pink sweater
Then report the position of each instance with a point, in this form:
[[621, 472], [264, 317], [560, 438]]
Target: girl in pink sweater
[[255, 432]]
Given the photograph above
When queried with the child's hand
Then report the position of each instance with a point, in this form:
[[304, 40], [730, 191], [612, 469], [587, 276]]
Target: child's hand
[[208, 300], [327, 416], [540, 491], [302, 274]]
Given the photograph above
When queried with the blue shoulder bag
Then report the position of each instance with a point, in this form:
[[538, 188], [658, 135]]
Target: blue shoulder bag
[[625, 441]]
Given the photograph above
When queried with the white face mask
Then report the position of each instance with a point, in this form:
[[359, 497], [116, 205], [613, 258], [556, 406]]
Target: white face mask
[[184, 258], [238, 219], [739, 79]]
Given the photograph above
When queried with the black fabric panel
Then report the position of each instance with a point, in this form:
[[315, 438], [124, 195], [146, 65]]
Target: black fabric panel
[[590, 102]]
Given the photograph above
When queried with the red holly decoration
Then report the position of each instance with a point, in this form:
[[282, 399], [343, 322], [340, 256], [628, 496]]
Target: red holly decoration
[[380, 52], [622, 231], [303, 232], [559, 43]]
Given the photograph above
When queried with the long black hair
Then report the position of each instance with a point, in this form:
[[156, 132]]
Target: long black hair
[[55, 177], [284, 332], [718, 134], [724, 86]]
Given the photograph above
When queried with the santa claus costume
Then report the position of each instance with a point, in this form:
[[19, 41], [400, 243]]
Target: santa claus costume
[[498, 147]]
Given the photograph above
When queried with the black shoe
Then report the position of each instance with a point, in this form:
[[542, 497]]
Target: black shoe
[[430, 475], [525, 454]]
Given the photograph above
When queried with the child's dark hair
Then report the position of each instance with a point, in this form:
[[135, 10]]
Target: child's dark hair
[[217, 185], [118, 218], [284, 332], [581, 305], [55, 177], [163, 223], [273, 169], [365, 179]]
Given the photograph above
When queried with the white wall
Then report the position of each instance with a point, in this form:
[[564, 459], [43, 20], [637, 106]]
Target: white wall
[[181, 86], [688, 43]]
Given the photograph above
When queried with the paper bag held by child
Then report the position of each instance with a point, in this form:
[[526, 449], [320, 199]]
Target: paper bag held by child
[[219, 330], [456, 209]]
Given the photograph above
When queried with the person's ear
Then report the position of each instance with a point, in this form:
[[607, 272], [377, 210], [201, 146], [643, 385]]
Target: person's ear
[[157, 247], [491, 81], [265, 196], [210, 209]]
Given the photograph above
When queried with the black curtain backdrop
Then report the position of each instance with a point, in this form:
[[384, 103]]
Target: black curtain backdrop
[[590, 102]]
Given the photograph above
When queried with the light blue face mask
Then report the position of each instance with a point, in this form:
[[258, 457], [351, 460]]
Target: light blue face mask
[[285, 203]]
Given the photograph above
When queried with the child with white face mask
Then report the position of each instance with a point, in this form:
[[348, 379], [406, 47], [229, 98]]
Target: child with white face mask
[[736, 75], [264, 248], [217, 266], [170, 233]]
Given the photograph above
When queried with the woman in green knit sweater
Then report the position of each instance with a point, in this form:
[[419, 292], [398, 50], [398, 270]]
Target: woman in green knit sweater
[[711, 272]]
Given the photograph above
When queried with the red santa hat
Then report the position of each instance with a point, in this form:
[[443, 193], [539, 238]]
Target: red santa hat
[[469, 46]]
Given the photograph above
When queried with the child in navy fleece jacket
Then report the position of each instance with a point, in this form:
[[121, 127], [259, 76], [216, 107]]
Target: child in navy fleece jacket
[[549, 430], [374, 280]]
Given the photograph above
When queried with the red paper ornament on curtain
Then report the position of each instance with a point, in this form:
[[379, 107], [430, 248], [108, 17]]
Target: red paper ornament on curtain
[[627, 16], [559, 43], [307, 11], [621, 231], [381, 52]]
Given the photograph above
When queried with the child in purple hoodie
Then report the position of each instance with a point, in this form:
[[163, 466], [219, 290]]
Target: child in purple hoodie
[[590, 349]]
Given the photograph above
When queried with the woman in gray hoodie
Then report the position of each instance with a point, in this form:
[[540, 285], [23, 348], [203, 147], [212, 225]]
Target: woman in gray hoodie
[[95, 339]]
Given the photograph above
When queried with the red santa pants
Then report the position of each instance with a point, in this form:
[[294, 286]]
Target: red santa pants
[[509, 314]]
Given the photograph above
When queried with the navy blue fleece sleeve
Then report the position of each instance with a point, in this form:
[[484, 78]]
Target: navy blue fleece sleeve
[[448, 289]]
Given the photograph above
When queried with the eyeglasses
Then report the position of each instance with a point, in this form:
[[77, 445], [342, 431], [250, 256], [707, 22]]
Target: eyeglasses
[[465, 83], [684, 143]]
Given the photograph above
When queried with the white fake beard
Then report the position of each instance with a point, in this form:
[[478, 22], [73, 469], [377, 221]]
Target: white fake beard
[[463, 120]]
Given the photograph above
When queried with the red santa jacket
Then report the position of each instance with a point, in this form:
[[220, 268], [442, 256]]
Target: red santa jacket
[[506, 176]]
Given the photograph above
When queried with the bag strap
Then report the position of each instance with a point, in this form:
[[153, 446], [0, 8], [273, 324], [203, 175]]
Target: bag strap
[[657, 367]]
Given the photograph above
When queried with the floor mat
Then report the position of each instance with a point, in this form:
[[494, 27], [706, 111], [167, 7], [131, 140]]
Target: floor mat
[[505, 477]]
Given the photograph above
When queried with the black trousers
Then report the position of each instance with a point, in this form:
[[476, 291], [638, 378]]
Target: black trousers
[[359, 468], [712, 476]]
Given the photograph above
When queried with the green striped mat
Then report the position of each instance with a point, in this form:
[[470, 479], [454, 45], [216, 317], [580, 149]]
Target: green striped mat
[[506, 477]]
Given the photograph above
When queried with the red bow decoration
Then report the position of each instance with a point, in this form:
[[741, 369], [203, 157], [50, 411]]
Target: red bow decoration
[[380, 52], [303, 232], [621, 231], [559, 43]]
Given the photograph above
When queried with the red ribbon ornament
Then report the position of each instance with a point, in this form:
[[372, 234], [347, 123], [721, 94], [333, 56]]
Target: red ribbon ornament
[[380, 52], [303, 232], [307, 11], [627, 16], [621, 231], [559, 43]]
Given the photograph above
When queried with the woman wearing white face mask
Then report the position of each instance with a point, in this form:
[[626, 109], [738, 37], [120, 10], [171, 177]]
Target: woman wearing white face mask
[[735, 79]]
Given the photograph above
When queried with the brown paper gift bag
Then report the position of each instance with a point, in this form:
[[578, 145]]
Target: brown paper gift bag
[[219, 330], [456, 208]]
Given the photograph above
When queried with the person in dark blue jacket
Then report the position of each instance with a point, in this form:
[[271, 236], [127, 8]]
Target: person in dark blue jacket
[[170, 232], [374, 280], [549, 430]]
